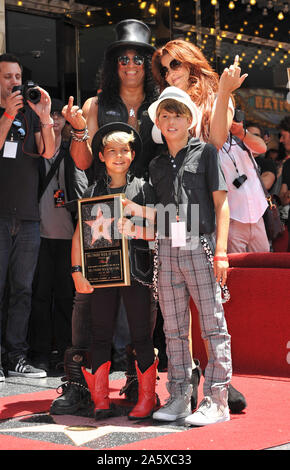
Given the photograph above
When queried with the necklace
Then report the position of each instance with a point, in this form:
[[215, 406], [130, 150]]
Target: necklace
[[132, 107]]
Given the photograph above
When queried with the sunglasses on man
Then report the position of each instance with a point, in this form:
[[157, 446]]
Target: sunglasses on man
[[137, 60], [174, 65]]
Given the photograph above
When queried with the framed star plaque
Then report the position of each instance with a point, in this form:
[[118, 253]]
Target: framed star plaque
[[105, 259]]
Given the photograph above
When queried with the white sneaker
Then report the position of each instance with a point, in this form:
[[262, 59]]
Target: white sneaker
[[174, 409], [209, 412]]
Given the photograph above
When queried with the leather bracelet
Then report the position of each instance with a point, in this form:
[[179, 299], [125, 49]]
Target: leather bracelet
[[78, 130], [8, 116], [220, 258], [76, 269]]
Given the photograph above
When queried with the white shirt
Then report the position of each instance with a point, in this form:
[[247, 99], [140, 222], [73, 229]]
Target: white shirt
[[247, 203]]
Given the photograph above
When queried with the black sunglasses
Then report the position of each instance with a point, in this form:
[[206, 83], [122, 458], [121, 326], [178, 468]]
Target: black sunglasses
[[137, 59], [174, 65]]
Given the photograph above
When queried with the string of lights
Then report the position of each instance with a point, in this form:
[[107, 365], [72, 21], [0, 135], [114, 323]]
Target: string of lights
[[257, 28]]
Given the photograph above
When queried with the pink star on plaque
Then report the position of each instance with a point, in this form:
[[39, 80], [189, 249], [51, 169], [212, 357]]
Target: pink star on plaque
[[100, 227]]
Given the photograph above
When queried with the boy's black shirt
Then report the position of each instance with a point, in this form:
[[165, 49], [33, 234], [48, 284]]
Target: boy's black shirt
[[140, 192], [202, 174]]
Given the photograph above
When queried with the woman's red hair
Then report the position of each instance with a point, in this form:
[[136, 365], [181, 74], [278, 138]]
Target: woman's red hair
[[203, 81]]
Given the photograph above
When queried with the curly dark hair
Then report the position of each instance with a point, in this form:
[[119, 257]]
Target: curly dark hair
[[110, 82], [284, 125]]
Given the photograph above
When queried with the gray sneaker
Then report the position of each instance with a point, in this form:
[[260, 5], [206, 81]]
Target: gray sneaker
[[23, 369], [175, 408], [209, 412]]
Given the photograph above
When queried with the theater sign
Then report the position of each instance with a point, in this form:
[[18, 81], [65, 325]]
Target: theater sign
[[263, 106]]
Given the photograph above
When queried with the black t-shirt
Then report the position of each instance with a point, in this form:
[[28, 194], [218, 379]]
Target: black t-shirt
[[19, 176], [266, 164]]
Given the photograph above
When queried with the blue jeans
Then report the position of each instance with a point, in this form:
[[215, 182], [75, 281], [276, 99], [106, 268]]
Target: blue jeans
[[19, 246]]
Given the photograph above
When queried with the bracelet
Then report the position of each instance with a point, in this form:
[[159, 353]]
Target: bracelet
[[220, 258], [76, 269], [80, 139], [78, 130], [8, 116], [47, 124]]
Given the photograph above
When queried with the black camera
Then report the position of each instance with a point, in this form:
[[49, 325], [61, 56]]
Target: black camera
[[239, 115], [29, 91], [239, 181]]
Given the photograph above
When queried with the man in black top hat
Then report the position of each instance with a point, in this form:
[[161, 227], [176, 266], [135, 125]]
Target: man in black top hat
[[127, 90]]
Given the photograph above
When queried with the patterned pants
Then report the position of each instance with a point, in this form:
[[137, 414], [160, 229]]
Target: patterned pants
[[183, 274]]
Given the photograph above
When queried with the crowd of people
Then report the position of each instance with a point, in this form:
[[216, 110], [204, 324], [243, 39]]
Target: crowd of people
[[162, 130]]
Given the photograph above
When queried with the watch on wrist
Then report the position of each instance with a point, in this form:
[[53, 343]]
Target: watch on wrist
[[76, 269]]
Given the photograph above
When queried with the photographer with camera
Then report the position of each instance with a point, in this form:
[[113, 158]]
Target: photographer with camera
[[246, 197], [26, 133]]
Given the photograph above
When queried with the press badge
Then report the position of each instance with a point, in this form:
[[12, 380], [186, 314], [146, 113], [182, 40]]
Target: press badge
[[178, 234], [59, 198], [10, 149]]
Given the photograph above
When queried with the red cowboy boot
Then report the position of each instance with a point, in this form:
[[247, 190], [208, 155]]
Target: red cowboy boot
[[147, 398], [98, 384]]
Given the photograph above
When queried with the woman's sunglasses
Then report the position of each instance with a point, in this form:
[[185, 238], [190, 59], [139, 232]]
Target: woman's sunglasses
[[174, 65], [137, 59]]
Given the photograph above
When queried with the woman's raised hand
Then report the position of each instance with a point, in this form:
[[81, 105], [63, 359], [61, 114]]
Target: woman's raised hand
[[231, 78]]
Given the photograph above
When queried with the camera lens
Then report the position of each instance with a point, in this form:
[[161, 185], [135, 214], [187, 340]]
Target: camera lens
[[33, 95]]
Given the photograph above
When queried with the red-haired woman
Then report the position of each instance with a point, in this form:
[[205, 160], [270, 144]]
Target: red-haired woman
[[180, 63]]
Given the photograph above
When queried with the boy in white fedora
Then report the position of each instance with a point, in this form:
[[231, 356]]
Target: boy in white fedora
[[188, 174]]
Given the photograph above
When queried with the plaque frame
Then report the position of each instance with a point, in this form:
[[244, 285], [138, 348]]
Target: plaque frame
[[94, 258]]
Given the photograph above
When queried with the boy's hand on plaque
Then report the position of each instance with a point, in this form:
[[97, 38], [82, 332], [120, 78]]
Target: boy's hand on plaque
[[126, 227]]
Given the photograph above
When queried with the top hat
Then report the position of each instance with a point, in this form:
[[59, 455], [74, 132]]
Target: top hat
[[177, 94], [131, 33], [116, 127]]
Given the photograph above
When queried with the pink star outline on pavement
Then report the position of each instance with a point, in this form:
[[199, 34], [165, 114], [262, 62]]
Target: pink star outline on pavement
[[100, 227]]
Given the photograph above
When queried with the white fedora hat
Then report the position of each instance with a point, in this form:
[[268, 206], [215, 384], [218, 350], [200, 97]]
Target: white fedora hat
[[174, 93]]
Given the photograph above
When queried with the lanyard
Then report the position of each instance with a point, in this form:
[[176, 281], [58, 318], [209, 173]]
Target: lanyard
[[232, 158], [178, 182], [51, 163]]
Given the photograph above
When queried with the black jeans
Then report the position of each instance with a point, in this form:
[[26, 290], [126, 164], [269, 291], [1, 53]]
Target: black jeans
[[52, 299], [19, 245], [104, 310]]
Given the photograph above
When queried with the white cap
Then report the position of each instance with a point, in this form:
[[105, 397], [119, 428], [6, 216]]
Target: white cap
[[177, 94]]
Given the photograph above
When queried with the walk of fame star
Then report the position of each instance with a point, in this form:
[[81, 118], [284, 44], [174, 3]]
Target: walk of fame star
[[100, 227], [83, 430]]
